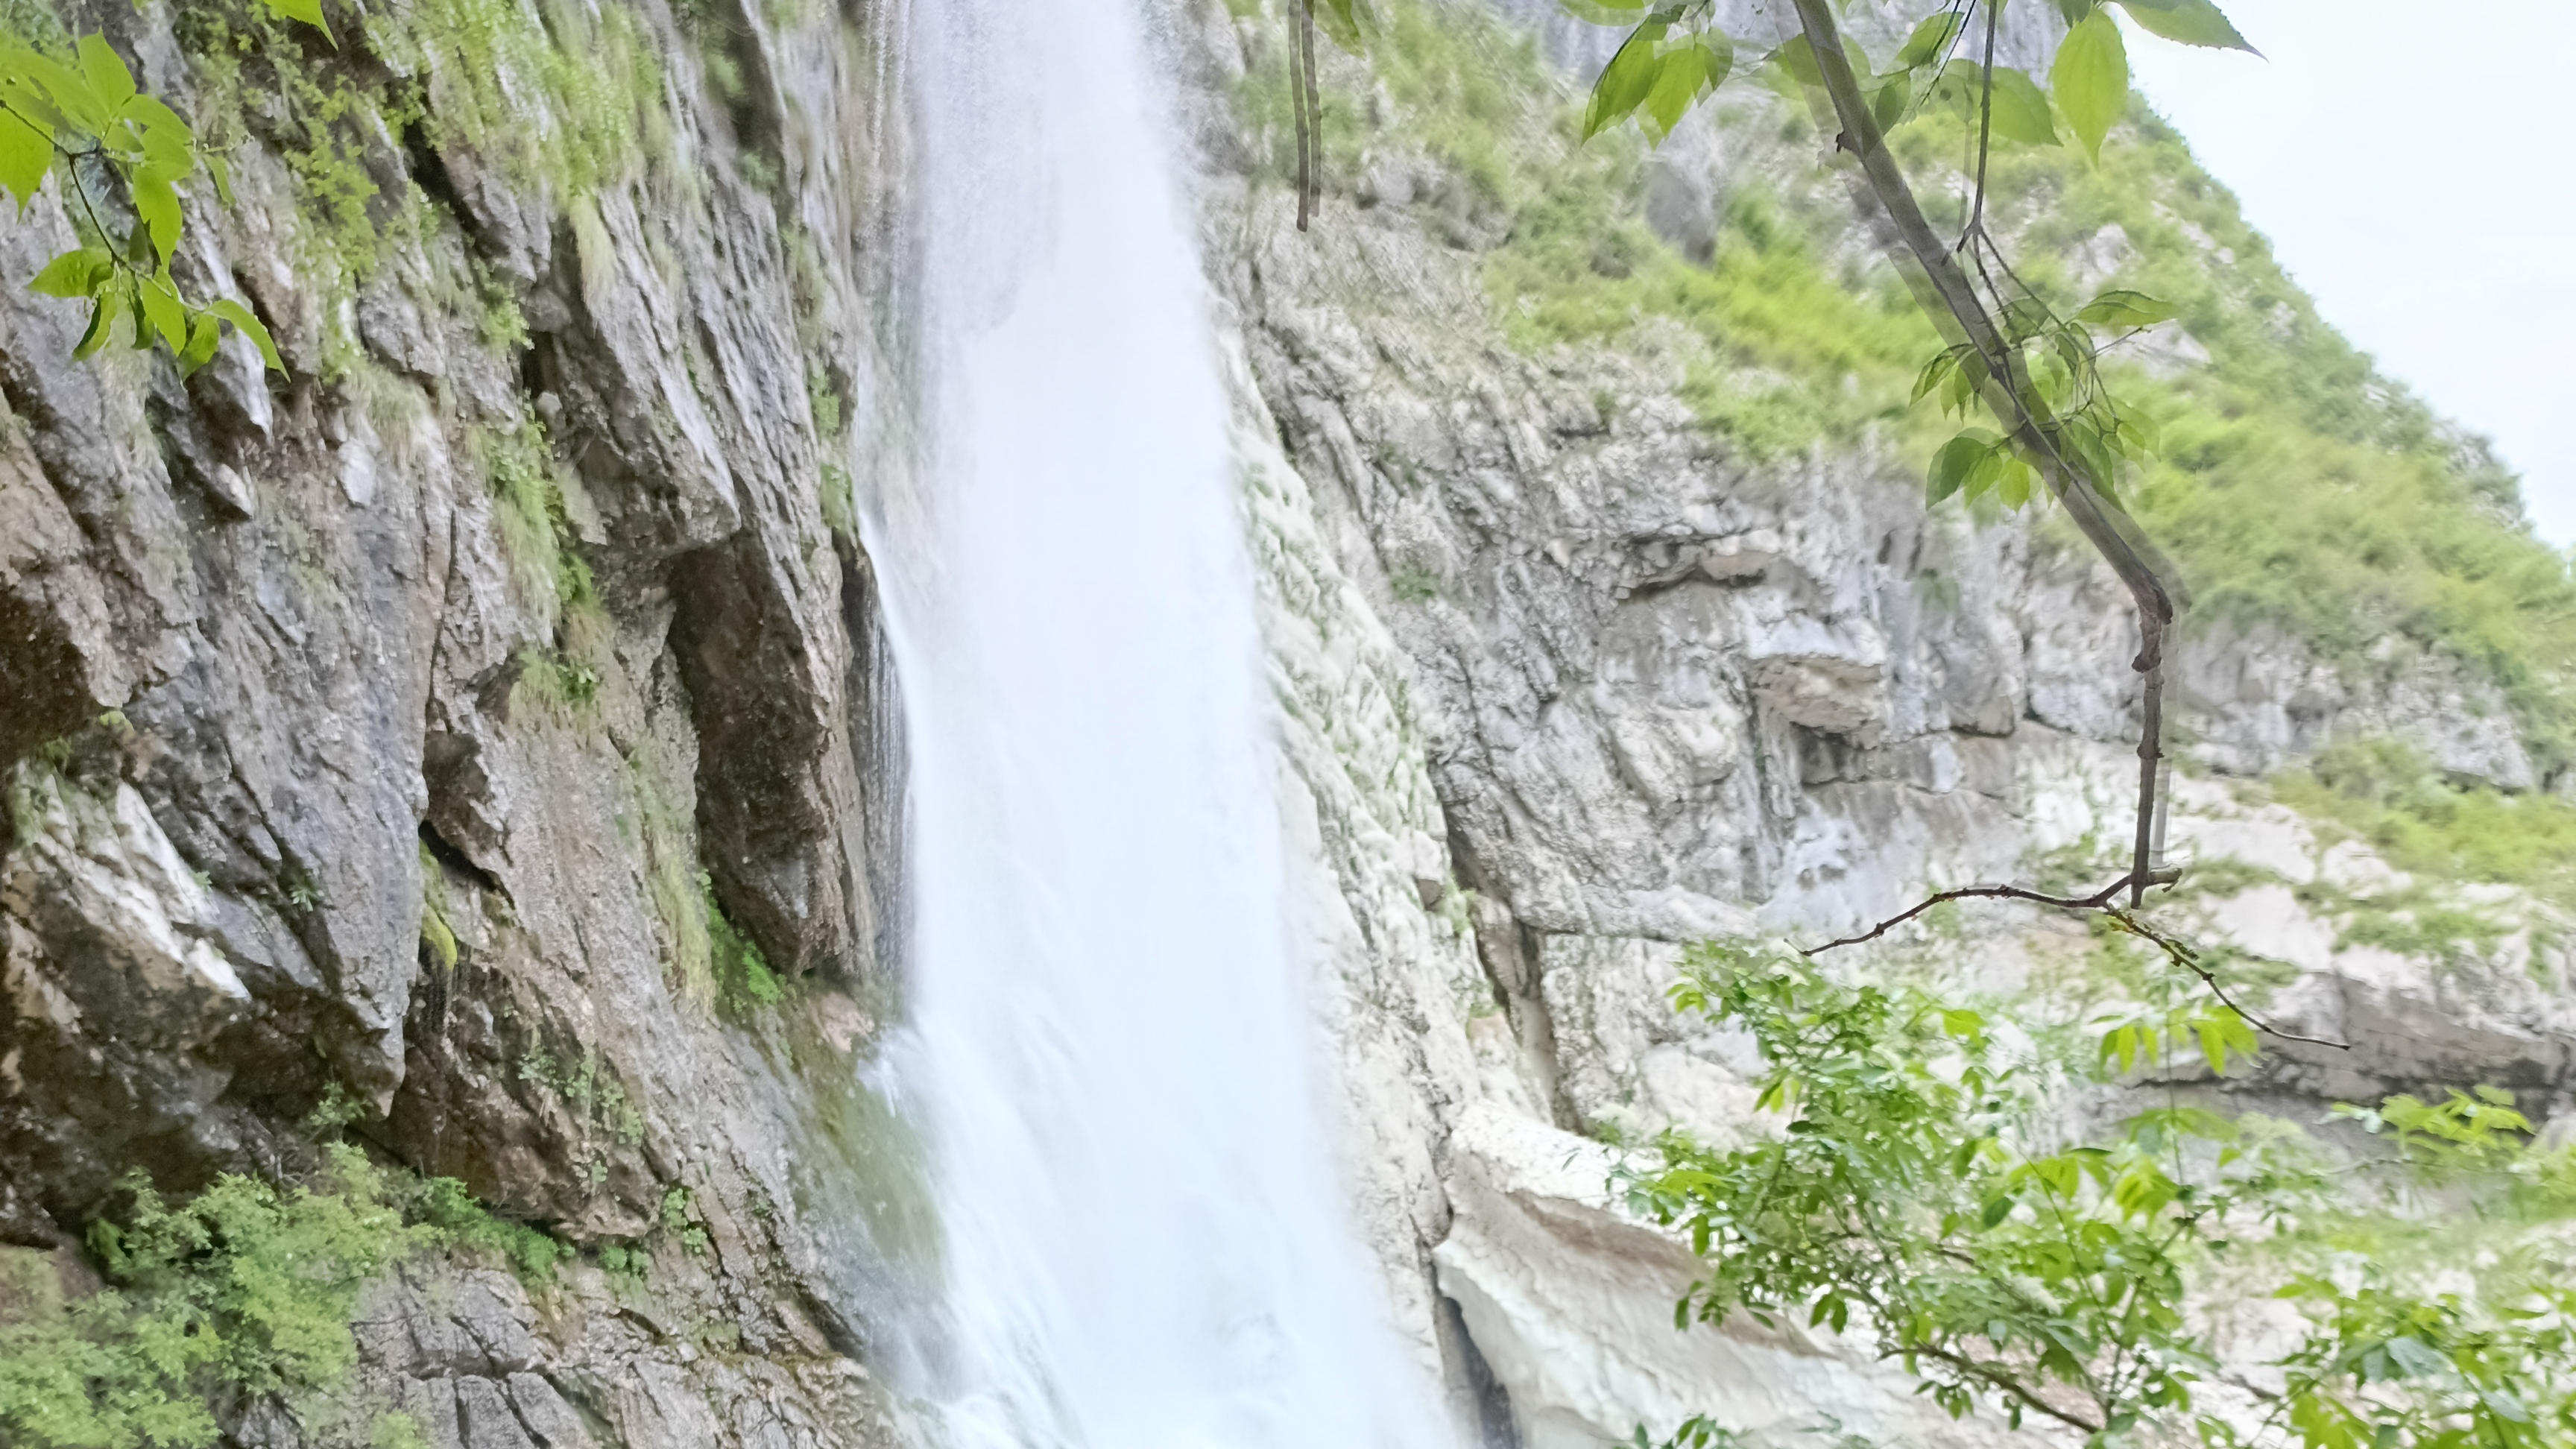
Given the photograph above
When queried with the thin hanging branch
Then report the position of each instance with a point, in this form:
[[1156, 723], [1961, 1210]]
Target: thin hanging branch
[[2006, 393], [1985, 126], [1305, 97], [2182, 954]]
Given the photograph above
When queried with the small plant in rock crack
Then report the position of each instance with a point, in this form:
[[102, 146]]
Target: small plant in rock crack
[[679, 1219], [303, 895], [743, 976], [620, 1260], [1924, 1194]]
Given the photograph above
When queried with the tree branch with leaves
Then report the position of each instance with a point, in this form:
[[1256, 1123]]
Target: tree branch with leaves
[[2035, 375], [1923, 1193], [83, 122]]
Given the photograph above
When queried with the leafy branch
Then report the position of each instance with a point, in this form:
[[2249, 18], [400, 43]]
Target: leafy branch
[[1922, 1194], [2060, 433], [85, 122], [2180, 952]]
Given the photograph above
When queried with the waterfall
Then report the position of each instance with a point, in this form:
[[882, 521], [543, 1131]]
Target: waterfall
[[1143, 1243]]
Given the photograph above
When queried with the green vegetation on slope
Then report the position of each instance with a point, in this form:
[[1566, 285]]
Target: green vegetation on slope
[[2297, 486], [2390, 797], [241, 1292]]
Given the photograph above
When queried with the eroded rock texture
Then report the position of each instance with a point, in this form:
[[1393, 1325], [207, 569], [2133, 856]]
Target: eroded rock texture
[[1597, 681], [383, 733], [417, 734]]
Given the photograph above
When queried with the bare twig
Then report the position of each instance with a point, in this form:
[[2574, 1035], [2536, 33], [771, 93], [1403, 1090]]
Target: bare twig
[[2177, 950], [2098, 901]]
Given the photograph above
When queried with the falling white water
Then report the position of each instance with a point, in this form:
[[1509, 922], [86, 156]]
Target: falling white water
[[1143, 1243]]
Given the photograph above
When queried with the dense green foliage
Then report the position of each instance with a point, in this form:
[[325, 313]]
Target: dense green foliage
[[1926, 1191], [243, 1291]]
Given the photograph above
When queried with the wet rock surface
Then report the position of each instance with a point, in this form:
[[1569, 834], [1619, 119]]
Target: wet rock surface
[[378, 735], [383, 733]]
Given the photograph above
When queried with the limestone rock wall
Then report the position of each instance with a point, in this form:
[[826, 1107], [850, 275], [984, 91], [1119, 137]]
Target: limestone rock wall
[[394, 734], [415, 737], [1599, 684]]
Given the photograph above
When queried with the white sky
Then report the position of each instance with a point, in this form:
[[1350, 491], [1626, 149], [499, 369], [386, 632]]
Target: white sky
[[2406, 161]]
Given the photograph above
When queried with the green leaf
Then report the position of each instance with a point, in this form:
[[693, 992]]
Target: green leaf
[[2415, 1358], [95, 336], [1684, 72], [250, 327], [2140, 438], [2021, 111], [2213, 1046], [74, 273], [1626, 80], [158, 205], [2122, 308], [1342, 20], [1957, 459], [2062, 1174], [1891, 100], [1797, 59], [63, 90], [105, 71], [203, 333], [2021, 108], [1326, 15], [2013, 488], [2082, 446], [150, 112], [2193, 22], [168, 315], [141, 319], [26, 154], [1929, 39], [2506, 1406], [2091, 78]]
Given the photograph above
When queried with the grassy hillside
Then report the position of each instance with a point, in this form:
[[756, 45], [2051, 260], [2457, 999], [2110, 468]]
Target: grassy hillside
[[2297, 486]]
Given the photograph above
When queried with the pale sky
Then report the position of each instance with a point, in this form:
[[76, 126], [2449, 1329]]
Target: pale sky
[[2408, 162]]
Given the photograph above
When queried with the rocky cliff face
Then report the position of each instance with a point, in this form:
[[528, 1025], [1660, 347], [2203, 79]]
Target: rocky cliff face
[[1574, 674], [479, 736], [480, 728]]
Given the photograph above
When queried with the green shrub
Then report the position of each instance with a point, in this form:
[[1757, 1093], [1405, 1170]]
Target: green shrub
[[244, 1290], [1928, 1195]]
